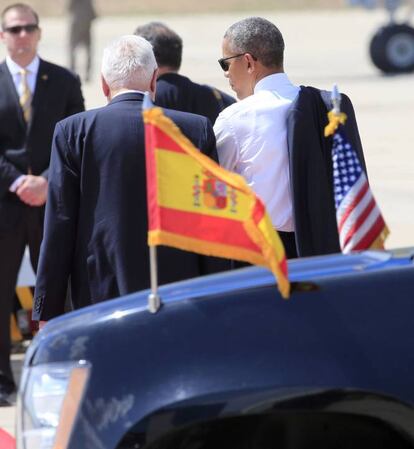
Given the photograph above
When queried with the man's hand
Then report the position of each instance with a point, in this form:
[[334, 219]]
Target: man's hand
[[42, 324], [33, 190]]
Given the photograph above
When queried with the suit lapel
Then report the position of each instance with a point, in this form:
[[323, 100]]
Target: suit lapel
[[42, 81], [10, 89]]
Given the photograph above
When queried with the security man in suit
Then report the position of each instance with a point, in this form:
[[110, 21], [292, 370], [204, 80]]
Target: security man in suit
[[96, 214], [34, 95], [176, 91]]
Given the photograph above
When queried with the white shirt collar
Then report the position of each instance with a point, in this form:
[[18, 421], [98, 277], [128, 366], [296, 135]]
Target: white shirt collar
[[128, 91], [14, 68], [277, 81]]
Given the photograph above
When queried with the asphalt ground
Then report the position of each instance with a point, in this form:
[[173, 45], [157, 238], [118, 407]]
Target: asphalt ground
[[322, 48]]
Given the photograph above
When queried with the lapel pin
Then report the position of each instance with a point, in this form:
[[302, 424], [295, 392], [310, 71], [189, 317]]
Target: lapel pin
[[44, 77]]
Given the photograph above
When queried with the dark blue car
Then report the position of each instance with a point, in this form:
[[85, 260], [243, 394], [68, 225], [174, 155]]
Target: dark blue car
[[227, 363]]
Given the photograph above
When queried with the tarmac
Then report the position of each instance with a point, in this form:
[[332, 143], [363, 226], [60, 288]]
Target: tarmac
[[322, 48]]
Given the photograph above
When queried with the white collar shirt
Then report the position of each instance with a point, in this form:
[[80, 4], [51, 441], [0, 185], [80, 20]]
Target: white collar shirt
[[252, 141], [32, 70], [128, 91]]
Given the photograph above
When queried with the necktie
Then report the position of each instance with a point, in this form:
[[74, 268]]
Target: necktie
[[25, 96]]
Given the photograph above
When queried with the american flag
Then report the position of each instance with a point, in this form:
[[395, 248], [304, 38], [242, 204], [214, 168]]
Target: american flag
[[360, 223]]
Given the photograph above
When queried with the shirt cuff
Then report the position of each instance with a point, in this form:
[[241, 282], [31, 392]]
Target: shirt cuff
[[17, 183]]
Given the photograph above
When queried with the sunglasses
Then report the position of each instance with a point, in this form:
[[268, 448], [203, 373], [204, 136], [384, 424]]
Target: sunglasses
[[31, 28], [224, 64]]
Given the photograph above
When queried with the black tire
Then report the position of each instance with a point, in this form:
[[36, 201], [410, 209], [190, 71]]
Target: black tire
[[392, 49]]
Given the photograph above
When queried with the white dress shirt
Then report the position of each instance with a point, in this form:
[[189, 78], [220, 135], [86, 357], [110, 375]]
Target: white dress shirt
[[15, 71], [128, 91], [31, 77], [252, 141]]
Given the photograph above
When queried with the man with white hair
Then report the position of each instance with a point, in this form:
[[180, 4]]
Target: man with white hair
[[96, 215]]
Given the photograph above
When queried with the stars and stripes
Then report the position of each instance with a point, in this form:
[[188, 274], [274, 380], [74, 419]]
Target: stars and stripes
[[360, 223]]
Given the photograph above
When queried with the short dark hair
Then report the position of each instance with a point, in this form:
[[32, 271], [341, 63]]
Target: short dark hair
[[166, 43], [21, 7], [260, 38]]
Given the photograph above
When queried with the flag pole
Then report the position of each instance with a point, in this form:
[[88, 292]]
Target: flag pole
[[154, 300], [336, 100]]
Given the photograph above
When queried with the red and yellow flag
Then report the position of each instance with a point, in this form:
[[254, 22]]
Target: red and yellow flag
[[196, 205]]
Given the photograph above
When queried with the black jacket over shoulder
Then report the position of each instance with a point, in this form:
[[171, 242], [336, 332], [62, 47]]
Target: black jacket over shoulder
[[311, 170]]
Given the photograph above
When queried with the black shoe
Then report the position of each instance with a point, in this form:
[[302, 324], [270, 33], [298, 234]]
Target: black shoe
[[8, 399], [6, 391], [7, 388], [4, 401]]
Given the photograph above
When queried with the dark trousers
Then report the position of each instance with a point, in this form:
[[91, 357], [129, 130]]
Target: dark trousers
[[289, 242], [28, 231]]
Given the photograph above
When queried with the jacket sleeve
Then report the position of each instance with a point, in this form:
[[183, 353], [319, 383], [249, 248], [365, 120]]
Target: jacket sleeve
[[8, 174], [75, 103], [60, 230], [310, 164], [209, 145]]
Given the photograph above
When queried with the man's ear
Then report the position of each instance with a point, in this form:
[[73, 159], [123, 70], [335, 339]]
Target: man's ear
[[105, 88], [251, 62], [153, 84]]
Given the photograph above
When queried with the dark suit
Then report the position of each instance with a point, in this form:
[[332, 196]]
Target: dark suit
[[178, 92], [57, 95], [311, 172], [96, 214]]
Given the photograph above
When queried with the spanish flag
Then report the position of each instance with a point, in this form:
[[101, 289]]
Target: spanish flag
[[196, 205]]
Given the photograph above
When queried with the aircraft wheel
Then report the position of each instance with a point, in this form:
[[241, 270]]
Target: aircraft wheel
[[392, 48]]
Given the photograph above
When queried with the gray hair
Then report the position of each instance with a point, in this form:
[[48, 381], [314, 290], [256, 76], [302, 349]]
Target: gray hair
[[129, 63], [259, 37]]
